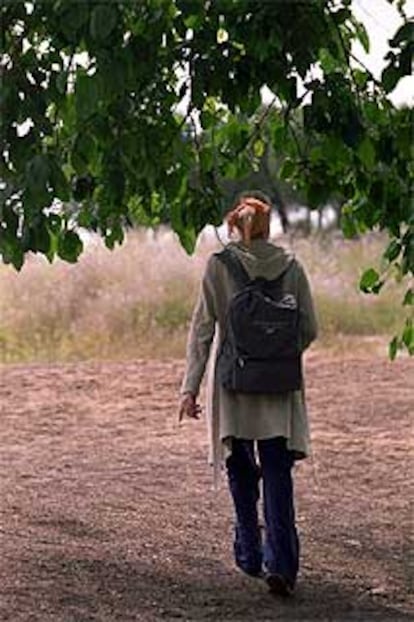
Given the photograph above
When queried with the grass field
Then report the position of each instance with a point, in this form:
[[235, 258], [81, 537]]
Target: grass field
[[137, 301]]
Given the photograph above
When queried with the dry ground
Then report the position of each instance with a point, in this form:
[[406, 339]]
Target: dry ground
[[108, 514]]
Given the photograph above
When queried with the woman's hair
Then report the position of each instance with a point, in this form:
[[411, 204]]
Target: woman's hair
[[252, 220], [254, 194]]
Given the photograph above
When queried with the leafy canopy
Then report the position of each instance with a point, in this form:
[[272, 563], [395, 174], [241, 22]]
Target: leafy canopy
[[133, 111]]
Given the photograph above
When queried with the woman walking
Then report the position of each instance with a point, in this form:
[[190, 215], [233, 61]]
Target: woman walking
[[255, 402]]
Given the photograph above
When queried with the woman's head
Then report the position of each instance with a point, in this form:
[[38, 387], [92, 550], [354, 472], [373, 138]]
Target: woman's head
[[250, 215]]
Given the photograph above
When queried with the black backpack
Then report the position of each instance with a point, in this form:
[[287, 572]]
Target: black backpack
[[260, 350]]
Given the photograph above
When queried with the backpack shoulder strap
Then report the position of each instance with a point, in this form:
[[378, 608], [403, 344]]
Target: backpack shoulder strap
[[234, 266]]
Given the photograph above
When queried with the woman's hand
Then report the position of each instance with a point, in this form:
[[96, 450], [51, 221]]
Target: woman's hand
[[256, 204], [188, 407]]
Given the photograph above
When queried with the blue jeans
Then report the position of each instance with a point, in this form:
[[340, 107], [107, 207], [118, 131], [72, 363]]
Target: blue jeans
[[279, 553]]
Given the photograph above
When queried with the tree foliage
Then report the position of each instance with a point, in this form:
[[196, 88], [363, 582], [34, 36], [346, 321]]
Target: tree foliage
[[115, 112]]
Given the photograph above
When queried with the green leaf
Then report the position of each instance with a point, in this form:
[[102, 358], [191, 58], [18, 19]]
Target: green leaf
[[362, 36], [36, 235], [11, 249], [361, 77], [288, 169], [193, 22], [83, 153], [393, 348], [317, 193], [59, 182], [375, 289], [87, 217], [87, 93], [389, 78], [393, 250], [207, 119], [69, 246], [406, 61], [185, 230], [366, 153], [103, 21], [408, 253], [409, 297], [36, 193], [83, 187], [404, 33], [62, 82], [114, 235], [54, 223], [279, 136], [287, 89], [37, 172], [348, 225], [41, 237], [188, 239], [51, 253], [258, 148], [408, 335], [73, 17], [327, 61], [9, 218], [369, 278]]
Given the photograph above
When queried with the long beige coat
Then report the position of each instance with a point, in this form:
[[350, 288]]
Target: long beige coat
[[249, 416]]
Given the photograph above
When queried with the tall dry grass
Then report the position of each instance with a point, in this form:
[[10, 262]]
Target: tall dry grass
[[136, 301]]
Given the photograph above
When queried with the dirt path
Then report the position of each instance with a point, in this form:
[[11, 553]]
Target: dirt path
[[107, 510]]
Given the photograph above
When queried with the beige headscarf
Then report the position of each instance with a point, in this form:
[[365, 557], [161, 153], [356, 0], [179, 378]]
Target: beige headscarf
[[251, 216]]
